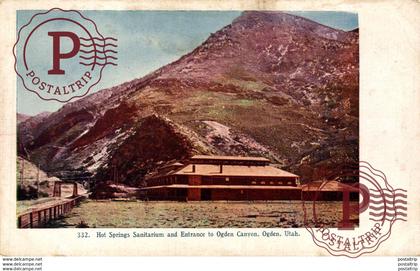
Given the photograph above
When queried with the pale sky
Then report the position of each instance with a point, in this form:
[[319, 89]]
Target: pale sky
[[148, 40]]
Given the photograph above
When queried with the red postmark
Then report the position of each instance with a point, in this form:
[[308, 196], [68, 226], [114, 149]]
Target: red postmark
[[60, 54], [379, 207]]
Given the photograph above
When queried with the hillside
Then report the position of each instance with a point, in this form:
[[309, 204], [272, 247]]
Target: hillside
[[268, 84], [30, 177], [21, 118]]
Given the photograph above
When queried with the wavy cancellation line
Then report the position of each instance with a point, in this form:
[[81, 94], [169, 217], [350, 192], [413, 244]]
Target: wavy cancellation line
[[98, 57], [391, 214], [379, 208], [388, 219], [98, 51], [98, 45], [388, 191], [96, 38], [381, 218], [387, 195], [387, 201], [97, 63]]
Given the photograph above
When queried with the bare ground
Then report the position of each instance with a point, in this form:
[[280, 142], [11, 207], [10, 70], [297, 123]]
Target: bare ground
[[140, 214]]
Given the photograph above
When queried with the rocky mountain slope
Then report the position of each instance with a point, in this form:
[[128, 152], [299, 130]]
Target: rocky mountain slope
[[21, 118], [268, 84]]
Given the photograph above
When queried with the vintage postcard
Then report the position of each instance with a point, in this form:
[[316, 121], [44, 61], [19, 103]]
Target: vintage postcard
[[231, 129]]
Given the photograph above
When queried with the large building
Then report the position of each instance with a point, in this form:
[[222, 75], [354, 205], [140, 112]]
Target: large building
[[221, 178]]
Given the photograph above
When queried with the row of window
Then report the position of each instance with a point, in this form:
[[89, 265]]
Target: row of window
[[171, 180], [273, 182]]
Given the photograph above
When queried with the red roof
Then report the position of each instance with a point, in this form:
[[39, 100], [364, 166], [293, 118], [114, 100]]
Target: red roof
[[234, 170]]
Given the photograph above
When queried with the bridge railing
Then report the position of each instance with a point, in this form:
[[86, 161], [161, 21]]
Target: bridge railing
[[39, 217]]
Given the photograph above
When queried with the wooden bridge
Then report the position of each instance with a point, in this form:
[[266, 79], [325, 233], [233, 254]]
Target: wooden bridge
[[39, 217]]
